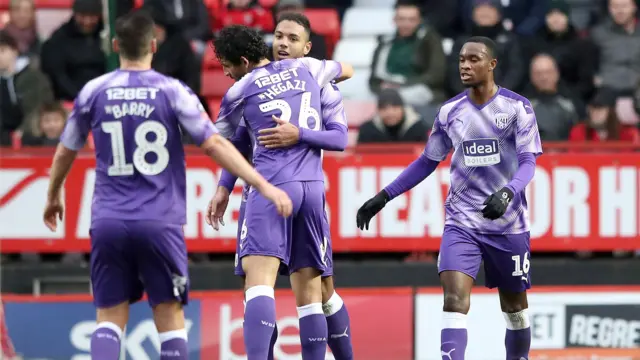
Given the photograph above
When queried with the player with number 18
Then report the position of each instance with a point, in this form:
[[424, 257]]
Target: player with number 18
[[139, 202]]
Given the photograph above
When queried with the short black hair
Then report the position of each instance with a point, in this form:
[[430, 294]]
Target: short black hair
[[297, 18], [134, 31], [237, 41], [406, 3], [7, 40], [490, 44]]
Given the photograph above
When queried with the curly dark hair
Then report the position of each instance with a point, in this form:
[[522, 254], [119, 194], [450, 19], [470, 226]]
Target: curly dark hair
[[237, 41]]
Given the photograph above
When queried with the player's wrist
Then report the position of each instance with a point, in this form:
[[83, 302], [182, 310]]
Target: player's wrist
[[224, 190]]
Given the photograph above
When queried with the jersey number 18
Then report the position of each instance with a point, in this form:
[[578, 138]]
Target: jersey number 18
[[143, 147]]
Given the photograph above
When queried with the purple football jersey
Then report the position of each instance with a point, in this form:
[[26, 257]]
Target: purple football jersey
[[136, 119], [289, 89], [485, 141]]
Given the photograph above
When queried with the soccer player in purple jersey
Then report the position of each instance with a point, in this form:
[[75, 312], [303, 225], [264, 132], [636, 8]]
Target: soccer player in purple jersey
[[291, 40], [494, 137], [137, 242], [289, 89]]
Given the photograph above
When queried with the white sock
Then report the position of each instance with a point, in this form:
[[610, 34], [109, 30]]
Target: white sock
[[517, 321], [311, 309], [454, 320], [333, 305], [173, 334]]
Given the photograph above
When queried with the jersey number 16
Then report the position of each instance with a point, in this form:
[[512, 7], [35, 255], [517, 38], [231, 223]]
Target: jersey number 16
[[143, 147]]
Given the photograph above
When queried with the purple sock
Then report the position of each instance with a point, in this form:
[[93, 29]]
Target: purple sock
[[259, 322], [339, 328], [274, 338], [105, 342], [518, 338], [453, 336], [174, 349], [313, 331]]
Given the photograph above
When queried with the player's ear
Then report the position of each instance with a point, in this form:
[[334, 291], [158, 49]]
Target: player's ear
[[245, 62], [154, 46], [307, 48], [492, 64], [115, 46]]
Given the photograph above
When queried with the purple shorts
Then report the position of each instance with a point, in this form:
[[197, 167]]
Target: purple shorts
[[130, 257], [299, 241], [506, 257]]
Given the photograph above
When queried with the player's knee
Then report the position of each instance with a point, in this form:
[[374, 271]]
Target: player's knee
[[260, 270], [327, 289], [118, 314], [513, 307], [168, 316], [455, 302], [307, 286]]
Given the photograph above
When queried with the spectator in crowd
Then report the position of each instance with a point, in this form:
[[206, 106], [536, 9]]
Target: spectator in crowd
[[22, 88], [318, 42], [47, 127], [524, 17], [174, 56], [559, 39], [245, 12], [602, 123], [636, 100], [190, 17], [511, 70], [394, 122], [555, 109], [22, 27], [618, 42], [443, 16], [411, 61], [73, 54]]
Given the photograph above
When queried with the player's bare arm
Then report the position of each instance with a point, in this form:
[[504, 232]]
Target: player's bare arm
[[217, 207], [347, 72], [224, 153], [62, 161]]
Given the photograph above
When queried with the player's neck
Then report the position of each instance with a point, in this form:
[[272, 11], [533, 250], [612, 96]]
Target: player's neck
[[483, 93], [135, 65], [261, 63]]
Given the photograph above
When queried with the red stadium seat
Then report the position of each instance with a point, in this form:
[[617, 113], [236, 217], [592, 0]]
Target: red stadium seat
[[68, 105], [215, 84], [268, 4], [210, 61], [214, 108], [325, 22], [53, 4]]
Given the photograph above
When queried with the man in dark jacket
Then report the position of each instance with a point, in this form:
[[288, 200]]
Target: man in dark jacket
[[487, 21], [575, 56], [394, 122], [22, 89], [73, 54], [175, 57]]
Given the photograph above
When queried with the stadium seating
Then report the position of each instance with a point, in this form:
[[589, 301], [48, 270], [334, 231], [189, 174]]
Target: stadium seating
[[215, 84], [358, 112], [325, 22], [356, 51], [357, 88], [209, 60], [374, 3], [214, 108], [379, 21]]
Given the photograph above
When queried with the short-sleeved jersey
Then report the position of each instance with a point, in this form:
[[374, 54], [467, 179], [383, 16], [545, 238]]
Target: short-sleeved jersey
[[136, 118], [289, 89], [486, 141]]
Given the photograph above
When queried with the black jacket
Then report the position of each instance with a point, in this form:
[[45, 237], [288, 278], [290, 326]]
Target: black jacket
[[412, 129], [71, 59], [175, 58], [576, 57]]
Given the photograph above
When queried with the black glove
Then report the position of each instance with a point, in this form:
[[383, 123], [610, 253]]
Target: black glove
[[370, 208], [496, 204]]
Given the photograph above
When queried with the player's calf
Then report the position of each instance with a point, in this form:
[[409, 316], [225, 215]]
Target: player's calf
[[457, 293], [518, 337], [105, 340], [338, 323], [169, 320], [307, 287], [260, 308]]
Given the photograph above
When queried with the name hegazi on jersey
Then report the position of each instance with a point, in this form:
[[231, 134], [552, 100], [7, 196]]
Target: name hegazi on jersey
[[279, 83], [131, 108]]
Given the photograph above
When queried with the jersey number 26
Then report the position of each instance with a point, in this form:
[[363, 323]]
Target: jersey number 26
[[306, 111], [143, 147]]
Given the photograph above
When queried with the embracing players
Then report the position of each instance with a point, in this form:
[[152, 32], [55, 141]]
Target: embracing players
[[494, 137], [289, 89], [291, 40], [139, 206]]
